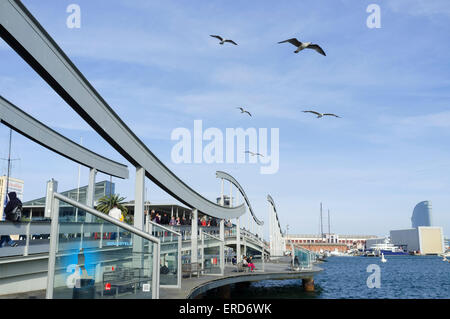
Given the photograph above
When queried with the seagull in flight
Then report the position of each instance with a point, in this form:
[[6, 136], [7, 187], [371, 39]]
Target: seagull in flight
[[244, 111], [253, 154], [304, 45], [222, 40], [319, 115]]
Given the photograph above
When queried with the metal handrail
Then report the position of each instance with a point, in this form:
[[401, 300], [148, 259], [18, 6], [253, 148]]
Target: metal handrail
[[163, 227], [108, 218]]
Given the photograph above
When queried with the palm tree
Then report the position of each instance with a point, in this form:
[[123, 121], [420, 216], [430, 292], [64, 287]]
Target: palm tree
[[106, 203]]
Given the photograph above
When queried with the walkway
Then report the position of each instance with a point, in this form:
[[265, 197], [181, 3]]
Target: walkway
[[192, 287]]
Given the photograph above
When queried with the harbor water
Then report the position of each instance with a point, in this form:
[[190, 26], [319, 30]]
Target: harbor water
[[401, 277]]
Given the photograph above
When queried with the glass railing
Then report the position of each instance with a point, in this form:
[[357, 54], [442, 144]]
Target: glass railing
[[99, 257], [31, 237], [302, 259], [211, 254], [170, 254]]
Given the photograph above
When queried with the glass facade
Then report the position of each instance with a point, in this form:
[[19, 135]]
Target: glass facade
[[421, 215]]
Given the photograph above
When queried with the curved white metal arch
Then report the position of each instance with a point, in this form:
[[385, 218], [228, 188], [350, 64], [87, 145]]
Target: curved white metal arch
[[271, 201], [29, 39], [31, 128], [231, 179]]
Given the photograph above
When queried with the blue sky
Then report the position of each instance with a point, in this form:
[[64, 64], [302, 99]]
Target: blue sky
[[157, 67]]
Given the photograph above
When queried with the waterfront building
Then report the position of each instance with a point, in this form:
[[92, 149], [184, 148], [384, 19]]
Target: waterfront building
[[422, 240], [421, 215], [346, 241], [14, 185]]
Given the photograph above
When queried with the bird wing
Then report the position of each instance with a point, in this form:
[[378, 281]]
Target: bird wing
[[217, 36], [231, 41], [250, 152], [317, 113], [316, 48], [293, 41], [247, 112], [331, 114], [259, 154]]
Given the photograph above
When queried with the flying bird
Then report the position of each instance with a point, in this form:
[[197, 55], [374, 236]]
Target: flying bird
[[253, 154], [304, 45], [222, 40], [244, 111], [319, 115]]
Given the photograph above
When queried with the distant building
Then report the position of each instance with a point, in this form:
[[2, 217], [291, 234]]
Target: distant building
[[348, 241], [421, 215], [14, 185], [424, 240]]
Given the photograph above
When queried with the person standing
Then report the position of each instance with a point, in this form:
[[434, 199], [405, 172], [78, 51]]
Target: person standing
[[115, 213], [11, 205]]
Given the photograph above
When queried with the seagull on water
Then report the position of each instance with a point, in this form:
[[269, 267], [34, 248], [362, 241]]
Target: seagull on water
[[253, 154], [304, 45], [222, 40], [244, 111], [319, 115]]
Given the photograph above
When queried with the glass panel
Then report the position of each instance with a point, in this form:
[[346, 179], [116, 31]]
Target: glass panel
[[211, 254], [302, 258], [169, 255], [96, 259]]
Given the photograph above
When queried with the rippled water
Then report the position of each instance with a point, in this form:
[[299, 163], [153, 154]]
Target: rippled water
[[346, 277]]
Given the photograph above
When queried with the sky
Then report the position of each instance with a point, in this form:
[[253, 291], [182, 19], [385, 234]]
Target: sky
[[157, 67]]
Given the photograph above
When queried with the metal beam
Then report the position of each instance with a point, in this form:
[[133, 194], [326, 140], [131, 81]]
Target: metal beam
[[232, 180], [21, 122], [29, 39]]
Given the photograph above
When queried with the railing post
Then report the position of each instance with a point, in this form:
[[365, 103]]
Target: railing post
[[52, 186], [54, 209], [156, 272], [238, 240], [179, 262], [27, 239], [101, 236], [202, 237]]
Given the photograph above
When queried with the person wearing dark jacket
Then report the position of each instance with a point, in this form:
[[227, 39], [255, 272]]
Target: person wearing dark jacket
[[12, 203]]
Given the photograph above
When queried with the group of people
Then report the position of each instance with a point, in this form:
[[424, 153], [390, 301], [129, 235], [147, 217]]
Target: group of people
[[246, 262], [183, 221]]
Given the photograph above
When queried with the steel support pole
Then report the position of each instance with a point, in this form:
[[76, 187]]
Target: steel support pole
[[90, 193], [139, 198], [194, 236], [222, 246]]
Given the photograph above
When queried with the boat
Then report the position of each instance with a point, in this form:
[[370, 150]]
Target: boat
[[387, 249]]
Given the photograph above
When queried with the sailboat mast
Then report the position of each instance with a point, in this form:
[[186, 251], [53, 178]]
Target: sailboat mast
[[329, 228], [321, 222], [9, 165]]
